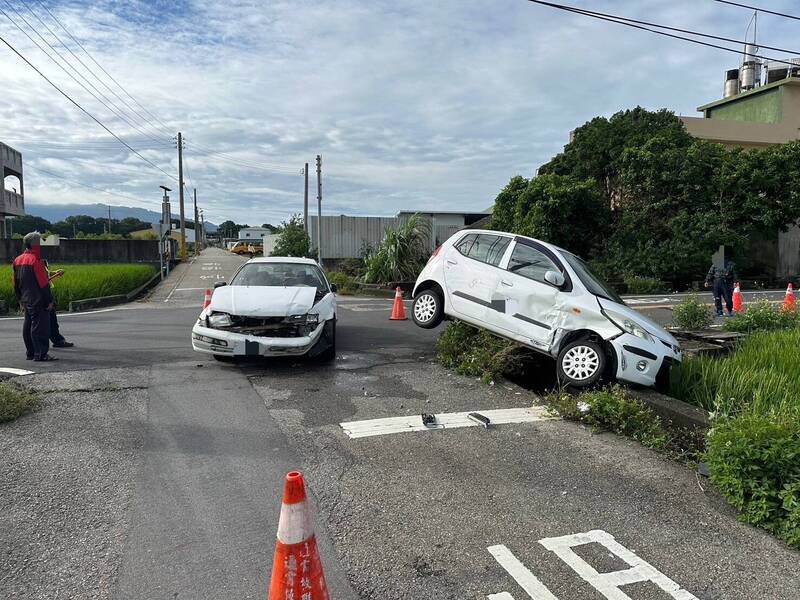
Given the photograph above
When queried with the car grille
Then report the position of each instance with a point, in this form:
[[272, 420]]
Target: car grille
[[266, 327]]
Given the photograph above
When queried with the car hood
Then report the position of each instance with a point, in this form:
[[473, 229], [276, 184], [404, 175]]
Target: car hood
[[638, 317], [262, 301]]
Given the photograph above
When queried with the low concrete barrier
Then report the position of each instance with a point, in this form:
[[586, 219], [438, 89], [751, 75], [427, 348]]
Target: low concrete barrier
[[677, 411], [106, 301]]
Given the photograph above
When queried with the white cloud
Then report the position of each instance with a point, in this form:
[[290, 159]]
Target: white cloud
[[413, 105]]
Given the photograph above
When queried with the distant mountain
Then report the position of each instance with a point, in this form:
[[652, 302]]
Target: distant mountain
[[59, 212]]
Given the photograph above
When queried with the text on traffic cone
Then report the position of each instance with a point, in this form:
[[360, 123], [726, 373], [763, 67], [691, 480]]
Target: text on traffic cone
[[297, 568], [398, 310], [737, 298]]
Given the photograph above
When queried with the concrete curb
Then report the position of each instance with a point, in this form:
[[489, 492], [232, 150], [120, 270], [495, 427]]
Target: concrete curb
[[676, 411], [105, 301]]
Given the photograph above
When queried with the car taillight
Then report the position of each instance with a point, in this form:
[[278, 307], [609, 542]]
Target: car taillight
[[435, 252]]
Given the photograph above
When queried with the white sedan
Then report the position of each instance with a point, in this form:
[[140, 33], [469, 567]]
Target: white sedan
[[276, 306]]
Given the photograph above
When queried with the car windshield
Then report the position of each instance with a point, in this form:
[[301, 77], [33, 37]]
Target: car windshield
[[592, 282], [280, 275]]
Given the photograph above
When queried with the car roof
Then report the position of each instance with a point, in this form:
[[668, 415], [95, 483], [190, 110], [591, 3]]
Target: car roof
[[284, 259], [512, 236]]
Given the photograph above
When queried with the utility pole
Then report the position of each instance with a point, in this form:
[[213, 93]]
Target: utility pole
[[109, 219], [203, 227], [166, 219], [319, 209], [305, 201], [196, 226], [180, 183]]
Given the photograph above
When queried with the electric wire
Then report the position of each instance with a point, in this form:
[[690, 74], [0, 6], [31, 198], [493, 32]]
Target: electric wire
[[133, 114], [613, 19], [763, 10], [91, 187], [82, 109], [281, 169]]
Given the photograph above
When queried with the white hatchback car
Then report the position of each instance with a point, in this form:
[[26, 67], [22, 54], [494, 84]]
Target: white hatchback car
[[547, 299], [275, 306]]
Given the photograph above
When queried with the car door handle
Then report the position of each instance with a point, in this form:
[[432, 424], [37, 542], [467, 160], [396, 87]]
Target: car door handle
[[451, 262], [506, 283]]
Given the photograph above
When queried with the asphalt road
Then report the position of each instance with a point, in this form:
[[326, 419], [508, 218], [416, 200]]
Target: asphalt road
[[429, 514]]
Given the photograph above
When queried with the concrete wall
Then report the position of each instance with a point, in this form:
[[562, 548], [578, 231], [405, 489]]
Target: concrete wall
[[88, 251], [740, 134]]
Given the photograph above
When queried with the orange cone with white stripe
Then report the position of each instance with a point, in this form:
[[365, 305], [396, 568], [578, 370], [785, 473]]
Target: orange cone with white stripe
[[398, 310], [737, 298], [297, 568], [207, 299], [788, 300]]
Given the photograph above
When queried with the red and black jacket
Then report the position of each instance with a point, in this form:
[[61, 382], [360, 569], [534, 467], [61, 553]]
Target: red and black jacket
[[31, 284]]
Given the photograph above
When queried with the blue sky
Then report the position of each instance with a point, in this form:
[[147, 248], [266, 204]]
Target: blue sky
[[413, 105]]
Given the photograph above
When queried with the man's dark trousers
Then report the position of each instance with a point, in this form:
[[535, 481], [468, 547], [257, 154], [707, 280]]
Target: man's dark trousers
[[36, 331], [55, 333], [723, 291]]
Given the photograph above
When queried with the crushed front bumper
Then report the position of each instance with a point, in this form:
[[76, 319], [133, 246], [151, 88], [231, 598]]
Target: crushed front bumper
[[227, 343], [642, 362]]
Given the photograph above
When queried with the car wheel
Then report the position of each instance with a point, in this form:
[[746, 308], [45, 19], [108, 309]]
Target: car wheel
[[427, 309], [330, 352], [581, 363]]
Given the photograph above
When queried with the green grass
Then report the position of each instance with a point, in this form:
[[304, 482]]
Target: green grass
[[15, 401], [761, 378], [85, 281]]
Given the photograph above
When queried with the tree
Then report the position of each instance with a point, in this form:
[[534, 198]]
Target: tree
[[293, 239], [27, 223], [272, 228], [402, 253]]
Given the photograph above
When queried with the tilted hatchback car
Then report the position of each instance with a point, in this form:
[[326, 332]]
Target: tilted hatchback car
[[274, 306], [547, 299]]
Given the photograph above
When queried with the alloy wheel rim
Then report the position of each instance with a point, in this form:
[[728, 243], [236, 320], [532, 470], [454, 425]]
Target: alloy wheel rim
[[580, 362], [425, 308]]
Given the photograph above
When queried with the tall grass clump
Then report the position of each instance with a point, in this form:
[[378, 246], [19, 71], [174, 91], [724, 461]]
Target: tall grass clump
[[402, 253], [85, 281], [692, 313], [762, 316]]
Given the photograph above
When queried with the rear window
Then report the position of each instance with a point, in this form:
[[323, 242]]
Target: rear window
[[280, 275], [484, 247]]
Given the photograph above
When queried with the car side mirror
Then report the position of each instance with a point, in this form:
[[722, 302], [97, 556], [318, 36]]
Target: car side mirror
[[219, 284], [554, 278], [334, 288]]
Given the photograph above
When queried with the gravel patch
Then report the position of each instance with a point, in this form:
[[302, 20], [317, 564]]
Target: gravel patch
[[66, 480]]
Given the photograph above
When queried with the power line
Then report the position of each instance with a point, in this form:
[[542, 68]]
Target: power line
[[125, 91], [83, 110], [764, 10], [282, 169], [92, 73], [620, 21], [91, 187]]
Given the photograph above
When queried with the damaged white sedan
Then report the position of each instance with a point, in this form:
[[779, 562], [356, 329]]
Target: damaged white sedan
[[276, 306]]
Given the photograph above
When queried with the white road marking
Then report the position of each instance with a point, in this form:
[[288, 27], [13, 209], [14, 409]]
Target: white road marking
[[369, 306], [188, 289], [74, 314], [526, 580], [372, 427], [13, 371], [607, 584]]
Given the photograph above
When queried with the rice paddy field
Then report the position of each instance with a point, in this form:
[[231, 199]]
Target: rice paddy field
[[85, 281]]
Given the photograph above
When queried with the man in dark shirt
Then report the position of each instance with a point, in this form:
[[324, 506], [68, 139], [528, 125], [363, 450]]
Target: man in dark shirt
[[32, 289], [722, 279]]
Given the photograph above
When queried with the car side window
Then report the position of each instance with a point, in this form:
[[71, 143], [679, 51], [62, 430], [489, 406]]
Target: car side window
[[489, 248], [531, 263], [465, 243]]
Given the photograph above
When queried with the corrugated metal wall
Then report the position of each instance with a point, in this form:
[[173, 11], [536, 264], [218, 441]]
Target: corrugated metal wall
[[345, 237]]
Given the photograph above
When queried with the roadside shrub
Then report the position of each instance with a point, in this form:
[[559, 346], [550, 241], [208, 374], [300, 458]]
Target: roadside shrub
[[354, 267], [692, 314], [402, 253], [477, 353], [345, 284], [645, 285], [15, 401], [762, 316], [85, 281], [755, 463]]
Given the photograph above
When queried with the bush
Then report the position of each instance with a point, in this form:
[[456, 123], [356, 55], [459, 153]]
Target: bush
[[354, 267], [346, 285], [478, 353], [755, 463], [692, 314], [15, 401], [762, 316], [402, 253], [293, 240], [645, 285], [85, 281]]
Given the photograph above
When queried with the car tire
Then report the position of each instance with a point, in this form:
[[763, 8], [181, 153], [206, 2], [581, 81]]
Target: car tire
[[427, 310], [329, 353], [581, 363]]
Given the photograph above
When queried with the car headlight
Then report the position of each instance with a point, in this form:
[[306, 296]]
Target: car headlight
[[629, 326], [219, 320], [312, 318]]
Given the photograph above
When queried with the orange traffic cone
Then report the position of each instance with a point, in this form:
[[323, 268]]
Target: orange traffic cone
[[737, 299], [207, 299], [297, 568], [788, 300], [398, 310]]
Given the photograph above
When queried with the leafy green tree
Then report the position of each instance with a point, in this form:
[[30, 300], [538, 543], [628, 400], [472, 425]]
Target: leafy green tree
[[402, 253], [27, 223], [293, 239]]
